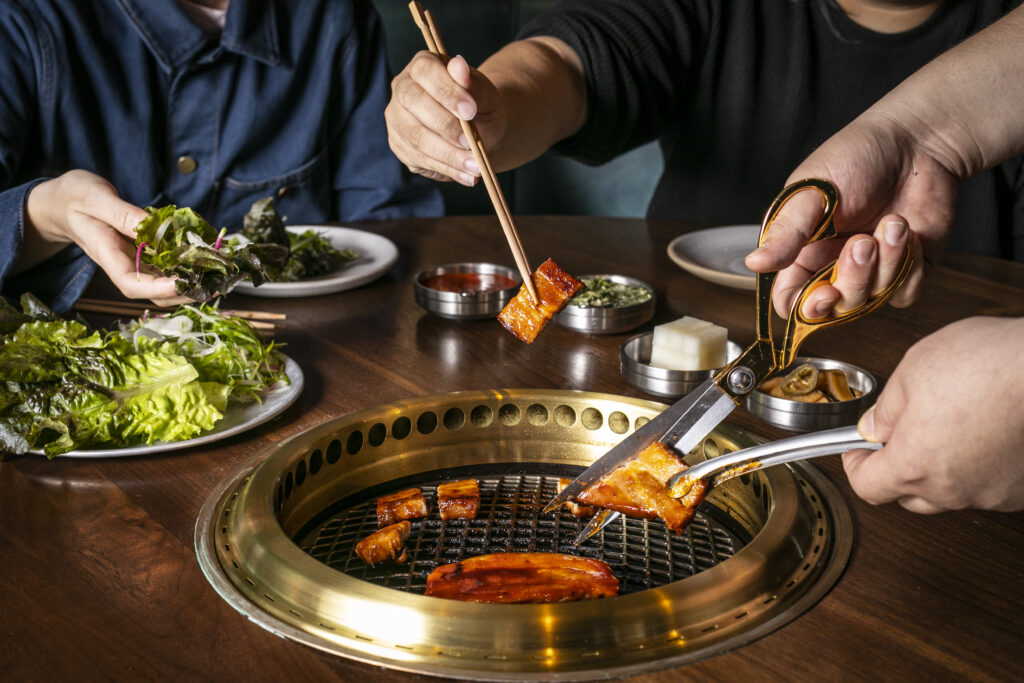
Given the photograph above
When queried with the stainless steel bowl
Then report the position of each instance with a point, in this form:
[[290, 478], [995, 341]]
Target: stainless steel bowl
[[635, 363], [465, 305], [612, 319], [806, 417]]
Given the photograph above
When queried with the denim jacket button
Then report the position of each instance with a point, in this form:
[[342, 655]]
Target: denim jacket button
[[187, 164], [282, 191]]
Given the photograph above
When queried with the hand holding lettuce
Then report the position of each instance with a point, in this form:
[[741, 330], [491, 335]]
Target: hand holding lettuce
[[64, 386]]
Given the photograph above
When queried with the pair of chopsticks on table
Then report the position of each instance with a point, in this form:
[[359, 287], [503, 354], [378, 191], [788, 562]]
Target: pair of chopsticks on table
[[259, 320], [432, 37]]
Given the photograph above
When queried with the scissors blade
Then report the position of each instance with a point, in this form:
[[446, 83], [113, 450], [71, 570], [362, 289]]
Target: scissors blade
[[599, 521], [681, 425]]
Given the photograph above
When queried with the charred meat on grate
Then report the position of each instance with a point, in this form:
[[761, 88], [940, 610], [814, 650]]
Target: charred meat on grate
[[386, 544], [405, 504], [523, 578]]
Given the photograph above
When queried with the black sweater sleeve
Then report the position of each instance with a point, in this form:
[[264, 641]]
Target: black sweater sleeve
[[639, 57]]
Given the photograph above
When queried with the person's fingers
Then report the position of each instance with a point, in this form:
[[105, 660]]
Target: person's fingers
[[919, 505], [429, 166], [891, 236], [871, 476], [418, 107], [788, 233], [909, 292], [173, 301], [429, 72], [460, 72], [791, 280], [116, 256], [102, 203], [855, 272]]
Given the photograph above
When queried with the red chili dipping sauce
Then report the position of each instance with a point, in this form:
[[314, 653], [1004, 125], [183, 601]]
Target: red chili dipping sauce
[[469, 282]]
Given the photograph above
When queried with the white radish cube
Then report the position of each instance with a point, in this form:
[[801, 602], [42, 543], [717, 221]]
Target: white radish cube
[[689, 344]]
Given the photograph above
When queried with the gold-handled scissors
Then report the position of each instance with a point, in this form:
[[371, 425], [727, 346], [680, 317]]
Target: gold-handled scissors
[[683, 425]]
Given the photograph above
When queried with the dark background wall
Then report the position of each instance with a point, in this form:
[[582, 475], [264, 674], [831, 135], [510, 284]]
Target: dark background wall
[[551, 184]]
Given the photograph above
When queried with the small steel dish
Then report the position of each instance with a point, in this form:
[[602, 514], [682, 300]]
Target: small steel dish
[[635, 363], [805, 417], [473, 305], [609, 319]]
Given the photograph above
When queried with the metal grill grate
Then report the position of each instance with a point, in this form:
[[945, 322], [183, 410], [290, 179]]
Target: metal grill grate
[[642, 554]]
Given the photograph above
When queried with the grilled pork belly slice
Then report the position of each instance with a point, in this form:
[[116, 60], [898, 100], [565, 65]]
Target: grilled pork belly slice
[[405, 504], [385, 544], [458, 499], [555, 288], [523, 577], [575, 508], [637, 488]]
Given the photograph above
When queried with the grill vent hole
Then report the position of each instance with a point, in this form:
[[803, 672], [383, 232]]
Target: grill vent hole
[[481, 416], [300, 473], [333, 451], [537, 415], [354, 443], [316, 461], [592, 418], [618, 422], [401, 428], [454, 418], [508, 414], [377, 435], [426, 423], [565, 416]]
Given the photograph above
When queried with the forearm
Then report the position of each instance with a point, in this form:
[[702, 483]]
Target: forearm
[[964, 107], [542, 89]]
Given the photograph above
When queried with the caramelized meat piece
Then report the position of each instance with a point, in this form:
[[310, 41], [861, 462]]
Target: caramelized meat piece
[[575, 508], [385, 544], [523, 577], [459, 499], [555, 288], [637, 488], [406, 504]]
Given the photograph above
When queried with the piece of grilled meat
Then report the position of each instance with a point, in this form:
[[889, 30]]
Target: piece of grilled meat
[[637, 488], [385, 544], [459, 499], [405, 504], [575, 508], [523, 578], [555, 288]]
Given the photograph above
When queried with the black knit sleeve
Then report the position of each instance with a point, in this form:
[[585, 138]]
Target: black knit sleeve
[[639, 58]]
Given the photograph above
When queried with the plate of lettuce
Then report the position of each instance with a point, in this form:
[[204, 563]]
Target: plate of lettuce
[[153, 384]]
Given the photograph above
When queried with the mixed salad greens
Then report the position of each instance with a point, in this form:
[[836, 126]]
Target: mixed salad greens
[[181, 244], [184, 246], [309, 253], [65, 386]]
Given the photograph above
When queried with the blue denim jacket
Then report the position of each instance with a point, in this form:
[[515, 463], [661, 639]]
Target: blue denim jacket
[[289, 101]]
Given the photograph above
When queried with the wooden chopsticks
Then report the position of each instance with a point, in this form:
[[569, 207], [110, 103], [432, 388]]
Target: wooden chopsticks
[[432, 37], [258, 319]]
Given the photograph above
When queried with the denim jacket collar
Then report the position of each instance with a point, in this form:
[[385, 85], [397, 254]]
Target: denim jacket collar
[[250, 29]]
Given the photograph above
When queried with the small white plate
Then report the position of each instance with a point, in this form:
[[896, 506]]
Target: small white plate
[[237, 419], [717, 254], [376, 255]]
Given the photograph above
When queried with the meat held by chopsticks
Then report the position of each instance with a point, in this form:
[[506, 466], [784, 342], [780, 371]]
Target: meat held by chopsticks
[[523, 578], [385, 544], [575, 508], [458, 499], [637, 488], [405, 504], [555, 288]]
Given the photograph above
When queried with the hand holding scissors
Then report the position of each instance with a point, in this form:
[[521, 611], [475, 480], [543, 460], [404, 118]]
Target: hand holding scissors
[[684, 425]]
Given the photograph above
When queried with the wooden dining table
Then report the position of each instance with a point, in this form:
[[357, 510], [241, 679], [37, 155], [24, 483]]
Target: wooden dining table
[[99, 578]]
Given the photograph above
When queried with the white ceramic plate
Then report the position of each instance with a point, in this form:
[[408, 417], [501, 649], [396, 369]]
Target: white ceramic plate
[[717, 254], [376, 255], [236, 419]]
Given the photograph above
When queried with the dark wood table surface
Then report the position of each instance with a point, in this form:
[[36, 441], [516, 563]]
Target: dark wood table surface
[[98, 572]]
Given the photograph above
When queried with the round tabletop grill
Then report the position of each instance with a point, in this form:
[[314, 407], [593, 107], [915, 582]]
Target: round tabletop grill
[[278, 542]]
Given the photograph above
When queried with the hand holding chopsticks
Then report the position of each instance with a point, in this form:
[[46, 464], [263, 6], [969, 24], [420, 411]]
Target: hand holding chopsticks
[[432, 37]]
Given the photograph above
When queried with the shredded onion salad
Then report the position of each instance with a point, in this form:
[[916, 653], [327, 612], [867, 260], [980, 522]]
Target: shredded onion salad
[[222, 348]]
